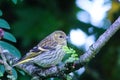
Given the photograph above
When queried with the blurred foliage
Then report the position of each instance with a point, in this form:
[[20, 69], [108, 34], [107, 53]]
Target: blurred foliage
[[32, 20], [15, 1], [114, 11], [7, 36]]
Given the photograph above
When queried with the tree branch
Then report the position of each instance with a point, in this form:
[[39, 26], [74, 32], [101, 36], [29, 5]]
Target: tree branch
[[66, 68], [7, 67], [95, 48]]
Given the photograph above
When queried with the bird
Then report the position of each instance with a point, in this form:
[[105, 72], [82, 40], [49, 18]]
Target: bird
[[48, 52]]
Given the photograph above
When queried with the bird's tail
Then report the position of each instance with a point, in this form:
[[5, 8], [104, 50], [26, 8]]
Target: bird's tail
[[22, 61]]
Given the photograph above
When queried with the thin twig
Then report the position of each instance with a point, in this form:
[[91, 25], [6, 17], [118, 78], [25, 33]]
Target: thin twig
[[1, 62]]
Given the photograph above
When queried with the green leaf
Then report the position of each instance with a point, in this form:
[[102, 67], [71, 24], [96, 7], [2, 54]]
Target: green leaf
[[9, 37], [22, 72], [14, 1], [2, 70], [1, 74], [14, 73], [69, 77], [72, 52], [11, 48], [74, 55], [1, 13], [68, 50], [4, 24]]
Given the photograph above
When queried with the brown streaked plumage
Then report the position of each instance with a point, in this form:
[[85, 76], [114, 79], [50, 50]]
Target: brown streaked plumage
[[48, 52]]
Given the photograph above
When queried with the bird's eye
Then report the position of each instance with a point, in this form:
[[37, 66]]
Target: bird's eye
[[60, 36]]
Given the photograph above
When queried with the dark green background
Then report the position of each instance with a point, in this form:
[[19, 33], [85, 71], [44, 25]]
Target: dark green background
[[32, 20]]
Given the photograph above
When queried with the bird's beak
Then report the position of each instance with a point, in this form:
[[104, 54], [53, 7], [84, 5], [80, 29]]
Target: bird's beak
[[67, 37]]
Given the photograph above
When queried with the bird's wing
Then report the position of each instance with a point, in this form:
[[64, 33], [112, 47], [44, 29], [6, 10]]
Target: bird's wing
[[33, 53]]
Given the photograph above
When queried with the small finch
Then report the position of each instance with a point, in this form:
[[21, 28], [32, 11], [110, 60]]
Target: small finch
[[48, 52]]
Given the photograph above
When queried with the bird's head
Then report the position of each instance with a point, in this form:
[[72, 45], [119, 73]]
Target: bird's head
[[60, 37]]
